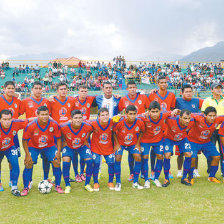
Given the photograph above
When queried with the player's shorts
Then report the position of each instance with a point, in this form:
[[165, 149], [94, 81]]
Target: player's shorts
[[16, 143], [157, 147], [84, 152], [208, 149], [11, 154], [48, 153], [177, 151], [131, 149], [184, 145], [109, 158]]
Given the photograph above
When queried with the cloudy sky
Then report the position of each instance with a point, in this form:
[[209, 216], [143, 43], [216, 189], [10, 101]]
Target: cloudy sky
[[102, 29]]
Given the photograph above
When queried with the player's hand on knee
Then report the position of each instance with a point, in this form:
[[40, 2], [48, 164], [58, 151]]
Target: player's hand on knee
[[116, 147], [28, 161], [57, 158], [137, 146]]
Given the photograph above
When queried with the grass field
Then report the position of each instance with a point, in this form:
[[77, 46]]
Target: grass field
[[201, 203]]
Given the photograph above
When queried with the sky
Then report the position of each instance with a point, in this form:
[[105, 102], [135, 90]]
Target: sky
[[102, 29]]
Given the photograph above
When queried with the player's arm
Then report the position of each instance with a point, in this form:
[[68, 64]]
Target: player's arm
[[28, 159], [116, 143], [58, 154], [64, 143], [137, 145], [86, 140]]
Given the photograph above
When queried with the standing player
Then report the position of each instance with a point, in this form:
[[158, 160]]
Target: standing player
[[39, 138], [167, 101], [9, 128], [141, 102], [221, 135], [127, 135], [176, 134], [194, 105], [75, 134], [153, 137], [8, 101], [101, 145], [199, 137]]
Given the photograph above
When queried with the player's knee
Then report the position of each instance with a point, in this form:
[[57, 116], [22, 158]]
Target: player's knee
[[167, 155], [10, 166], [145, 157], [66, 159], [29, 166], [216, 158], [160, 157], [137, 157], [118, 158], [187, 154], [55, 164]]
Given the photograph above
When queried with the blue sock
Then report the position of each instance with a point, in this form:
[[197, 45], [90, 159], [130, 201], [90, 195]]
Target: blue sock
[[27, 175], [158, 168], [57, 174], [111, 172], [82, 166], [192, 172], [152, 160], [166, 166], [14, 173], [145, 169], [96, 167], [137, 169], [187, 166], [131, 163], [89, 170], [75, 164], [46, 168], [213, 170], [66, 169], [117, 170]]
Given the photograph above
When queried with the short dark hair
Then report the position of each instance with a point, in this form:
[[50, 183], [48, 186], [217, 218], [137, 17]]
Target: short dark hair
[[61, 84], [161, 77], [6, 112], [74, 112], [131, 82], [187, 86], [37, 83], [107, 83], [154, 105], [184, 111], [209, 110], [83, 87], [9, 83], [42, 108], [101, 110], [130, 108]]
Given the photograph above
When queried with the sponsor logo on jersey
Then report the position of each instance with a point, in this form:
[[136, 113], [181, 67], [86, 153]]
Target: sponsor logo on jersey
[[76, 142], [69, 105], [204, 134], [83, 135], [103, 138], [88, 105], [62, 112], [43, 141], [5, 142], [178, 137], [128, 139], [15, 105], [137, 128], [140, 102], [51, 129], [157, 130]]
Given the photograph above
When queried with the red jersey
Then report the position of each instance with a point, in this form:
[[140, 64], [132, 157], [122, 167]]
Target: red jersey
[[13, 105], [30, 106], [7, 135], [174, 130], [221, 130], [141, 102], [167, 102], [75, 137], [41, 136], [84, 106], [201, 132], [101, 142], [61, 111], [154, 129], [127, 134]]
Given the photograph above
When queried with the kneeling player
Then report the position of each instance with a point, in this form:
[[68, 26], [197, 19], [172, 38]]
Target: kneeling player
[[127, 135], [200, 139], [75, 140], [38, 138], [177, 135], [9, 129], [101, 144]]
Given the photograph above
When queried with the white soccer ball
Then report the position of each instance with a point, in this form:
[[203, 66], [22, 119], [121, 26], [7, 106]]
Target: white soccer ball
[[44, 187]]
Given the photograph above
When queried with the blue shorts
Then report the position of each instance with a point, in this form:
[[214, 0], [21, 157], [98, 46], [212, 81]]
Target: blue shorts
[[84, 152], [157, 147], [11, 154], [109, 158], [48, 153], [184, 145], [208, 149], [16, 143], [131, 149]]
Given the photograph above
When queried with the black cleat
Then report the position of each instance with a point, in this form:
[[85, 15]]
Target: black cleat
[[16, 192], [166, 183], [186, 182]]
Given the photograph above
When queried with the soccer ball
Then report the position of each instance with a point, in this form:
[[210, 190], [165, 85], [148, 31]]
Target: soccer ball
[[44, 187]]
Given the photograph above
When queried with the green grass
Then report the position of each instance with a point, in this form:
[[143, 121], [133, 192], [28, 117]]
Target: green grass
[[201, 203]]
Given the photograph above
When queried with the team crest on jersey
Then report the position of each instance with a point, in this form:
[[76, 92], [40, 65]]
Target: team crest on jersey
[[193, 105], [62, 112], [15, 105], [69, 135], [137, 128], [30, 104], [51, 129], [36, 132], [88, 105], [140, 102], [69, 105], [174, 128], [14, 133], [83, 135]]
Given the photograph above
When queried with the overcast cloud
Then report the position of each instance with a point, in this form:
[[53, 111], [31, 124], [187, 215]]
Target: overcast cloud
[[137, 29]]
